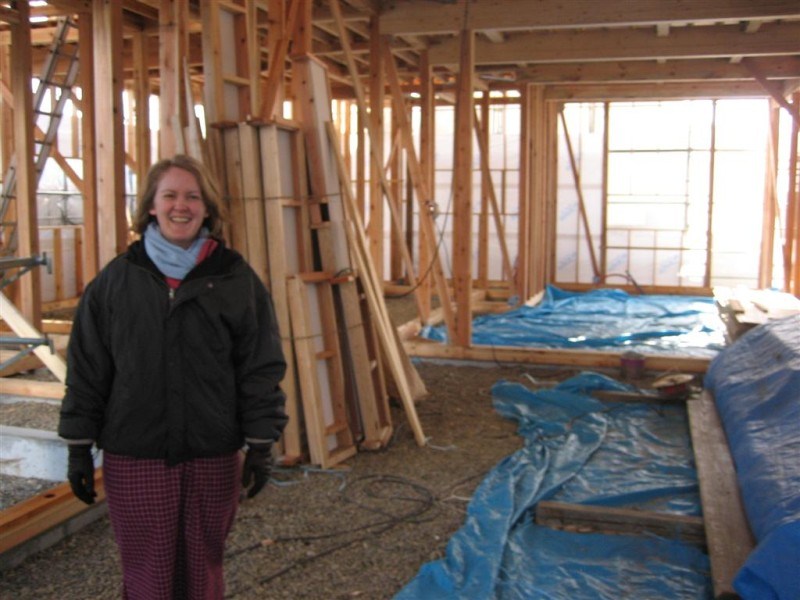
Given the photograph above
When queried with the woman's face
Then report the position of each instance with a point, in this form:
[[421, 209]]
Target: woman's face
[[178, 207]]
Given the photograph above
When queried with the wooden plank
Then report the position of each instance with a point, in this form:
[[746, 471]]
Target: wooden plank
[[626, 521], [17, 386], [541, 356], [233, 185], [14, 318], [277, 169], [321, 380], [728, 534], [30, 518], [333, 245], [255, 226], [387, 334]]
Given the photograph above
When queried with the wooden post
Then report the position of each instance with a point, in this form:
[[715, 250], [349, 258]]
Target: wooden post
[[28, 235], [770, 200], [427, 142], [462, 195], [141, 93], [172, 17], [375, 124], [91, 243], [793, 277]]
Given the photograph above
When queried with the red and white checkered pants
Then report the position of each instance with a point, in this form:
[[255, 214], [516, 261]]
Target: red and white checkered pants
[[170, 523]]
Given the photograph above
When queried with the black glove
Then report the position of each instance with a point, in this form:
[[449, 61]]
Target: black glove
[[257, 467], [80, 472]]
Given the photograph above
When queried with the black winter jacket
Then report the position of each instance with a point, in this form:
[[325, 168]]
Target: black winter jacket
[[153, 373]]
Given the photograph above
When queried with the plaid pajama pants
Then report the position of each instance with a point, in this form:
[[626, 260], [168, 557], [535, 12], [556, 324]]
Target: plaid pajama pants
[[170, 524]]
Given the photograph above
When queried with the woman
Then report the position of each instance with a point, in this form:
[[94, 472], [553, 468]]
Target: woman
[[174, 364]]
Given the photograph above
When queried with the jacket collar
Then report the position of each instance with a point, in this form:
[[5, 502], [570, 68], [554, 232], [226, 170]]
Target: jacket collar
[[222, 260]]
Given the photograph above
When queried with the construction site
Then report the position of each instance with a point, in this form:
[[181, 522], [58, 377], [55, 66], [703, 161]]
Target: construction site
[[535, 266]]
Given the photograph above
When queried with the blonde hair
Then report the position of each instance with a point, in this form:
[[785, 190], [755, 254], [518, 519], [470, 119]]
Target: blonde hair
[[208, 190]]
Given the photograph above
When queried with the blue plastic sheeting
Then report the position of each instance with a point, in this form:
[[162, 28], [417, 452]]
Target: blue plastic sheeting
[[756, 386], [604, 319], [500, 553]]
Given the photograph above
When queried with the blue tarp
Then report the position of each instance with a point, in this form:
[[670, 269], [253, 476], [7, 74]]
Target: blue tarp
[[756, 386], [575, 448], [604, 319]]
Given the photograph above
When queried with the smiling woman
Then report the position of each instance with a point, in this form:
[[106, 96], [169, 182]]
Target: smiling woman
[[174, 364], [178, 207]]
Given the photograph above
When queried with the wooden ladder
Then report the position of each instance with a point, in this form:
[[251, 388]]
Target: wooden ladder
[[59, 73]]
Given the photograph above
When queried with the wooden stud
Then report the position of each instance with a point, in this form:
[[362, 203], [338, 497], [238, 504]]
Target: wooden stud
[[462, 193]]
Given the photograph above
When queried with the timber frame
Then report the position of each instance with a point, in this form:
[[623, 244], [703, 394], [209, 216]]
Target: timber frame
[[242, 59]]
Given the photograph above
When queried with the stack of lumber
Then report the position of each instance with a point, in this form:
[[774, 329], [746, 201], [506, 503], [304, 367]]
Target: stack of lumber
[[341, 348], [741, 309]]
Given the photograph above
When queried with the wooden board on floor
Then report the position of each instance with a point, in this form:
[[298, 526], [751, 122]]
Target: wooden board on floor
[[728, 534], [609, 519]]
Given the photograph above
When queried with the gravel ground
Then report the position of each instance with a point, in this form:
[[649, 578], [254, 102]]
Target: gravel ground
[[359, 531], [362, 530]]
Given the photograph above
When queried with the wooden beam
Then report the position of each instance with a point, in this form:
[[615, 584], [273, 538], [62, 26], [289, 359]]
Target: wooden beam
[[633, 44], [653, 91], [773, 88], [417, 17], [642, 71]]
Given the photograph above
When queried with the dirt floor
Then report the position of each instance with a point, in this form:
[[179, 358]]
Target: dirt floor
[[359, 531]]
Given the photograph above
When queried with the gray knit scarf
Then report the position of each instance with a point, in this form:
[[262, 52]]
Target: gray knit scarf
[[173, 261]]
